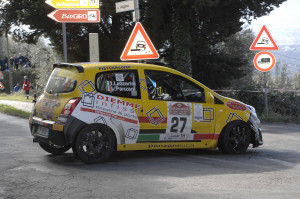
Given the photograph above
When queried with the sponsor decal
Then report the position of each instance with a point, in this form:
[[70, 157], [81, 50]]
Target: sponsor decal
[[114, 68], [198, 112], [209, 114], [236, 106], [119, 77], [179, 109], [155, 120], [120, 86], [143, 84], [233, 116], [170, 146], [109, 110], [47, 107]]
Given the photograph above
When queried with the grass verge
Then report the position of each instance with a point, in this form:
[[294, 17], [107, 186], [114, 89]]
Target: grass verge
[[275, 117], [10, 110], [16, 97]]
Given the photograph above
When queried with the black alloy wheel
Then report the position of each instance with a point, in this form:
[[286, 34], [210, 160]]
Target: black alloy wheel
[[235, 138], [94, 144]]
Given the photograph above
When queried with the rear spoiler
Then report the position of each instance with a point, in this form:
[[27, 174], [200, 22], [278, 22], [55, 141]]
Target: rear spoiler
[[67, 65]]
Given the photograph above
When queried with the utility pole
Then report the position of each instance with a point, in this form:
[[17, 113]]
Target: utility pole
[[64, 30], [8, 65]]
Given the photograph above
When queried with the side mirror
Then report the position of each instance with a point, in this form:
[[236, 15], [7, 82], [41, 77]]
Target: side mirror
[[210, 98]]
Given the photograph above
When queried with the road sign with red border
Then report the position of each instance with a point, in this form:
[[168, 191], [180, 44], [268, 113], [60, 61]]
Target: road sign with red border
[[139, 45], [75, 16], [264, 41], [264, 61], [1, 86]]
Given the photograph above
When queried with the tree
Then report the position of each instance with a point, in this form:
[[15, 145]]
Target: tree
[[185, 31]]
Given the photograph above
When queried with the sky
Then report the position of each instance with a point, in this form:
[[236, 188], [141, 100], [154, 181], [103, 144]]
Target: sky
[[283, 23]]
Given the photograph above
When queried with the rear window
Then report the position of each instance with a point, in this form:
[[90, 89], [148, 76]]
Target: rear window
[[59, 82]]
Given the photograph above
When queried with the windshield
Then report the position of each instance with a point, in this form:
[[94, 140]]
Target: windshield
[[59, 82]]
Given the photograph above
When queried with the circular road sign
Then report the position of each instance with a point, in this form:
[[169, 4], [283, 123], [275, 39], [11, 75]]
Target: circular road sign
[[264, 61]]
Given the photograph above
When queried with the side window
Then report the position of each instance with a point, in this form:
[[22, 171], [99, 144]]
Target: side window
[[118, 83], [162, 86], [191, 91]]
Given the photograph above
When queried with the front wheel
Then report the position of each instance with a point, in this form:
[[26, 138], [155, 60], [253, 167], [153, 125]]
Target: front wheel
[[54, 149], [235, 138], [94, 144]]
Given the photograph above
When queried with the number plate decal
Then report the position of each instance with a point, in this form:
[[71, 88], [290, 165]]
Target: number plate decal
[[42, 131], [179, 123]]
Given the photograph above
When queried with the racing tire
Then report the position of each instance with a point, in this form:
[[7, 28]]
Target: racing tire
[[235, 138], [94, 144], [54, 149]]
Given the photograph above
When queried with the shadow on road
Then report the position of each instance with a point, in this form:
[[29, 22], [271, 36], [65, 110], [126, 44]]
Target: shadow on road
[[186, 162]]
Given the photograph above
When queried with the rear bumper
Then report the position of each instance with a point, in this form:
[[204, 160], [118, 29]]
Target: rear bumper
[[58, 134], [55, 135]]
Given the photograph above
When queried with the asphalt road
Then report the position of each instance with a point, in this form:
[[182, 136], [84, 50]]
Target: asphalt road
[[270, 171]]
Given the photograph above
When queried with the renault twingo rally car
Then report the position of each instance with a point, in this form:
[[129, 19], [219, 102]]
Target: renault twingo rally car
[[98, 108]]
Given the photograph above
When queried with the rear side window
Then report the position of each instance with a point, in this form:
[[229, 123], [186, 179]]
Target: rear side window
[[59, 83], [119, 83]]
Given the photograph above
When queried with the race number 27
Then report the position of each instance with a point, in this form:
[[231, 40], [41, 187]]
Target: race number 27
[[178, 123]]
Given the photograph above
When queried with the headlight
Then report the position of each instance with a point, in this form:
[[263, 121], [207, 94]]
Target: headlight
[[253, 113], [251, 109]]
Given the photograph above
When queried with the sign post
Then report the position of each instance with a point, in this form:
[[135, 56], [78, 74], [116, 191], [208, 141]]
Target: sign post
[[137, 10], [94, 47], [139, 45], [64, 29], [264, 61], [73, 11]]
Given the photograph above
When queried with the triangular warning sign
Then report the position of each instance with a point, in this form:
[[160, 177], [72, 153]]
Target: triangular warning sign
[[264, 41], [1, 86], [139, 46]]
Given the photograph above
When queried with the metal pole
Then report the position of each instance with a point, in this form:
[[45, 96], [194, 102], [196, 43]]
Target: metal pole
[[137, 15], [64, 29], [8, 65], [137, 10], [94, 47], [266, 95]]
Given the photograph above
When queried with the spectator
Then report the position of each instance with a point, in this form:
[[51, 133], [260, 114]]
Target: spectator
[[17, 88], [26, 86], [16, 63]]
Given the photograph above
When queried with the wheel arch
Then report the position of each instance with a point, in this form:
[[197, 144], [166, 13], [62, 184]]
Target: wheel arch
[[74, 126]]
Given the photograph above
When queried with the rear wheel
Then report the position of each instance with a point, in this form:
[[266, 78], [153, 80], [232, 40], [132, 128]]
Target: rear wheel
[[54, 149], [235, 138], [94, 144]]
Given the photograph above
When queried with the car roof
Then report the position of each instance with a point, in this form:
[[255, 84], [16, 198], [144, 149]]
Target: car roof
[[118, 65]]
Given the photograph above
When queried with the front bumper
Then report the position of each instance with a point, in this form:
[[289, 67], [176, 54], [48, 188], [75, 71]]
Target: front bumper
[[256, 131], [55, 133]]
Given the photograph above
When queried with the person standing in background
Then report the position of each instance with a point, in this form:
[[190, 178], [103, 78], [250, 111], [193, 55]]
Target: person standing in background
[[26, 86]]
